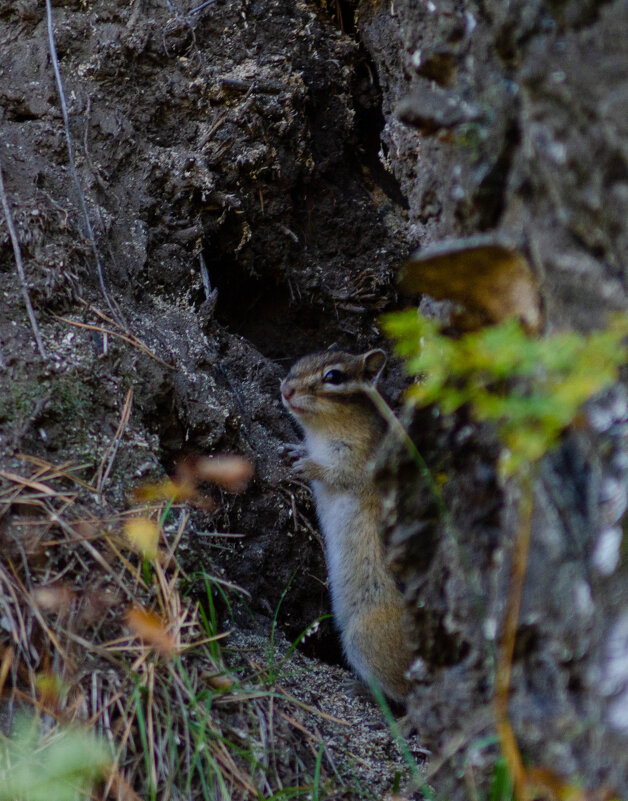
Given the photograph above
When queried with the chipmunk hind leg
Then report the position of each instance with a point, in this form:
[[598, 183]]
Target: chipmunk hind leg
[[376, 647]]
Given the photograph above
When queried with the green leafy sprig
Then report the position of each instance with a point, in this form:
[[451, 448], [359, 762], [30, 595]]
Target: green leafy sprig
[[531, 388]]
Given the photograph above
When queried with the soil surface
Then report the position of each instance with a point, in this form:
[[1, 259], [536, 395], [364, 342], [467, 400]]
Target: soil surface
[[246, 178], [234, 140]]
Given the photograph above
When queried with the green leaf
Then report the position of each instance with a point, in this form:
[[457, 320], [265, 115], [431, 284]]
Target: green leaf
[[529, 387], [501, 784], [60, 765]]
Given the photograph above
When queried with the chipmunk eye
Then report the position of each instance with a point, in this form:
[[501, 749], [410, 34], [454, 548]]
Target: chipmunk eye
[[334, 377]]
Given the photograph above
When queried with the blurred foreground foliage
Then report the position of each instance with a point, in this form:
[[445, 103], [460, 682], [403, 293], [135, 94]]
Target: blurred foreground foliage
[[529, 387], [58, 766]]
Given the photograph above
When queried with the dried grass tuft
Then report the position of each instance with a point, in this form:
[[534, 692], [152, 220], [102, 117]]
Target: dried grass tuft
[[95, 631]]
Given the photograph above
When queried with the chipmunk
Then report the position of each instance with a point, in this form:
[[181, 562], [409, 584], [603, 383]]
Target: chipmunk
[[327, 394]]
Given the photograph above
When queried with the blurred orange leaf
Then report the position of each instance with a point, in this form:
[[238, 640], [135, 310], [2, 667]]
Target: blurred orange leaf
[[85, 529], [121, 788], [220, 682], [143, 534], [562, 790], [232, 473], [50, 687], [167, 490], [95, 604], [490, 279], [54, 597], [150, 628]]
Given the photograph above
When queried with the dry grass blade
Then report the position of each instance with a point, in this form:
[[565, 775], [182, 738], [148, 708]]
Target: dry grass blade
[[151, 629], [312, 709], [182, 717], [309, 736], [65, 470], [132, 340], [150, 685], [507, 738], [137, 341], [27, 482], [20, 269], [96, 555], [110, 454], [120, 787], [169, 557], [5, 666], [14, 614], [455, 743], [33, 609]]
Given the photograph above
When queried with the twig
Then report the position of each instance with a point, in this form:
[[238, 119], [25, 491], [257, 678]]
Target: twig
[[95, 554], [107, 461], [68, 138], [389, 416], [457, 741], [132, 340], [311, 709], [20, 269], [201, 7]]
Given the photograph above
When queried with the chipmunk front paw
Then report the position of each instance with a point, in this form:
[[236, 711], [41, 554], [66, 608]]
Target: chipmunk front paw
[[303, 465], [306, 468], [294, 451], [297, 454]]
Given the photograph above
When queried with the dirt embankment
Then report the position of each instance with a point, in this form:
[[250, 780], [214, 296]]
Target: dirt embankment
[[234, 138]]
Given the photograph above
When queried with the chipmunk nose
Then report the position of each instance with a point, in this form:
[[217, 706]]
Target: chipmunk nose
[[287, 390]]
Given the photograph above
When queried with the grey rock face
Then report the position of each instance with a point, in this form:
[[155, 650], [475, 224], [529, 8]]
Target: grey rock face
[[543, 159]]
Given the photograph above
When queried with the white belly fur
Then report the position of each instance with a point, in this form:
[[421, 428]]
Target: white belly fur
[[346, 527], [337, 512]]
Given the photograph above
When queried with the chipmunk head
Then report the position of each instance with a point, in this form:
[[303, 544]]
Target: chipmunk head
[[319, 388]]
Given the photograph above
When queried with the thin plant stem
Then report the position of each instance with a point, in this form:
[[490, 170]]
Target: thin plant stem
[[507, 738], [389, 416], [20, 269], [77, 183]]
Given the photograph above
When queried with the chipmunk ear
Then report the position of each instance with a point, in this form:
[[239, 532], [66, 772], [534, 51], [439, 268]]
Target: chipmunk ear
[[373, 361]]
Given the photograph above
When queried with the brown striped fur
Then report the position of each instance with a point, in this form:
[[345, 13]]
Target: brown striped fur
[[342, 430]]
